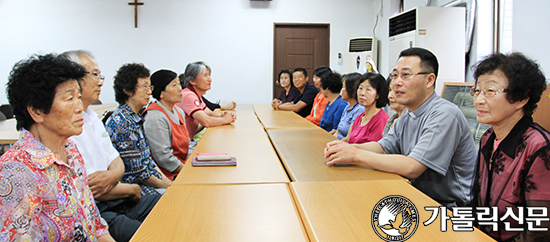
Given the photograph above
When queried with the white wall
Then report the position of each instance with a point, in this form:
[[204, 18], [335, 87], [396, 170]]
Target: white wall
[[527, 34], [235, 37], [530, 33]]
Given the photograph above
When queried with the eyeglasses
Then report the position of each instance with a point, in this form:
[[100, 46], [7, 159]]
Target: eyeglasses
[[147, 88], [406, 75], [97, 76], [487, 91]]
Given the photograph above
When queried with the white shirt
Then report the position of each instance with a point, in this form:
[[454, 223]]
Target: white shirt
[[94, 143]]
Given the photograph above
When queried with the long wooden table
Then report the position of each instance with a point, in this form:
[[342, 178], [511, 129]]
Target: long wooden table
[[8, 124], [244, 107], [9, 136], [257, 161], [100, 109], [302, 153], [275, 119], [261, 212], [342, 210], [8, 131], [256, 201], [245, 120]]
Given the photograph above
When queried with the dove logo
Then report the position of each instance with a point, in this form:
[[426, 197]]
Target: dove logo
[[394, 218]]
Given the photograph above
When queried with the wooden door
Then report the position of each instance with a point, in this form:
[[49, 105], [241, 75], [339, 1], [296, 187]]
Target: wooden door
[[299, 45]]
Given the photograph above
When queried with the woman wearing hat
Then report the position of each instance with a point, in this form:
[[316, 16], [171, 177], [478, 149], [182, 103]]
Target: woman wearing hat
[[165, 124]]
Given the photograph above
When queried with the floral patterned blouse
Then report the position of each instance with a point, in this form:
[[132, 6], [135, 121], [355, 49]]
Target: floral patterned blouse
[[516, 172], [44, 199], [125, 127]]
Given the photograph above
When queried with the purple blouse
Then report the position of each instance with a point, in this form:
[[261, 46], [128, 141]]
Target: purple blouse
[[292, 94]]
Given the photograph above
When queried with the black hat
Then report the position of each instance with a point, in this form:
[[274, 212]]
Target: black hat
[[160, 80]]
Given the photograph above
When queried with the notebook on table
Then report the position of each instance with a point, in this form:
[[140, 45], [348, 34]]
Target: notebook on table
[[214, 159], [213, 156]]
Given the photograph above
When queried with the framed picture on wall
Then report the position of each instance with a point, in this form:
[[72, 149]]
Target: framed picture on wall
[[459, 94]]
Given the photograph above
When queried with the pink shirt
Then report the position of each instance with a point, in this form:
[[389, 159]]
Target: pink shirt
[[519, 172], [372, 131], [190, 104]]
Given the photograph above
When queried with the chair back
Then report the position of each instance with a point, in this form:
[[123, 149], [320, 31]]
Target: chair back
[[106, 116], [7, 110]]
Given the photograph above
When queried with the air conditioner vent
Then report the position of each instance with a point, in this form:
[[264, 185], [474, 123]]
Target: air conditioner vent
[[360, 44], [403, 23]]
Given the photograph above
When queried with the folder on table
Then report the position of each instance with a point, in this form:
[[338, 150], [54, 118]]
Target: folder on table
[[232, 161]]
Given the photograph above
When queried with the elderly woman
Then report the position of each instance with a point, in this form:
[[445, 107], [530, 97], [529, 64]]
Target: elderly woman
[[197, 115], [331, 84], [125, 127], [164, 124], [372, 93], [212, 106], [398, 108], [352, 109], [44, 194], [514, 163]]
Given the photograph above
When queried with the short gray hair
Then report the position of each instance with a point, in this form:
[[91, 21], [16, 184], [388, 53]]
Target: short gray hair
[[73, 55], [192, 71]]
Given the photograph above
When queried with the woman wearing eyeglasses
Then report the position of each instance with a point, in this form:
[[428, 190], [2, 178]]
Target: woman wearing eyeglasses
[[514, 154], [372, 93], [125, 127]]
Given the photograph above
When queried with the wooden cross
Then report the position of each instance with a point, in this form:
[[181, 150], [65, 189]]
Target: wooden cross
[[136, 4]]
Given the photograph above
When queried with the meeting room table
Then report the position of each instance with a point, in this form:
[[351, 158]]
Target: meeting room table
[[246, 140], [101, 109], [277, 119], [302, 153], [342, 211], [240, 213], [281, 189], [8, 131]]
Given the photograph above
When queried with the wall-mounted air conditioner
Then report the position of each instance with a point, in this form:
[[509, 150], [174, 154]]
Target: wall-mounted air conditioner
[[362, 55], [438, 29]]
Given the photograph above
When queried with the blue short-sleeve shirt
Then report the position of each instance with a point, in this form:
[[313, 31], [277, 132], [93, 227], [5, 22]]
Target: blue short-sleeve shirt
[[332, 114]]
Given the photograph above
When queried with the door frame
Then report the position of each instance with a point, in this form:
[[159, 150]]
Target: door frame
[[275, 71]]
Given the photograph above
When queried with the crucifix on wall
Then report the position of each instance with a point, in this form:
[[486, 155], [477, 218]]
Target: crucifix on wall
[[136, 4]]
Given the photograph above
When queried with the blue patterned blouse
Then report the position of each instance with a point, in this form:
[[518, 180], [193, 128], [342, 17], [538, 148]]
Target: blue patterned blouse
[[125, 127], [348, 116]]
